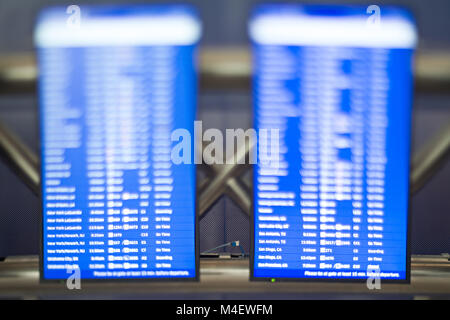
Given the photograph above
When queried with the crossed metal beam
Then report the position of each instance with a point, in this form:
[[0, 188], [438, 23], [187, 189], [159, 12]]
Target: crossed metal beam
[[224, 179]]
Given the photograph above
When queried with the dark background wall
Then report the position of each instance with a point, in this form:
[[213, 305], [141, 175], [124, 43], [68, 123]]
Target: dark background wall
[[225, 21], [224, 24]]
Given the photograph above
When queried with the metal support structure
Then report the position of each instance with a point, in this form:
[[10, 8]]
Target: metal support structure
[[235, 189], [427, 161], [23, 161], [225, 180]]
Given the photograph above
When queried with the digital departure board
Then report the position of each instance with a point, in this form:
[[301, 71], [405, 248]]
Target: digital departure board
[[336, 81], [114, 82]]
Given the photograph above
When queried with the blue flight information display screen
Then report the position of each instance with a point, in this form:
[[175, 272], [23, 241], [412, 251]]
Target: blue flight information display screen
[[114, 83], [336, 82]]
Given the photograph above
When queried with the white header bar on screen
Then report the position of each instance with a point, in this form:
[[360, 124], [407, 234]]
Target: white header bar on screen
[[151, 30], [293, 29]]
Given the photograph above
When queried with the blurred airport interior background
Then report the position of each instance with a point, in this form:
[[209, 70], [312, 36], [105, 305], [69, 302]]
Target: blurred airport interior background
[[225, 36]]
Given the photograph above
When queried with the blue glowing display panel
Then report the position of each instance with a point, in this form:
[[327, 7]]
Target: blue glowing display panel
[[337, 84], [114, 84]]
